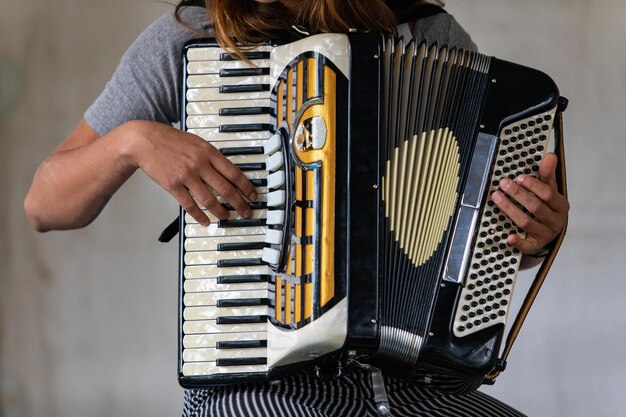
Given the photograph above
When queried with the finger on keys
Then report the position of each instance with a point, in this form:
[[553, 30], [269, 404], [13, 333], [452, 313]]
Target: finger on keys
[[533, 228], [545, 187], [205, 196], [526, 245], [188, 204], [228, 192], [530, 198], [235, 176], [547, 169]]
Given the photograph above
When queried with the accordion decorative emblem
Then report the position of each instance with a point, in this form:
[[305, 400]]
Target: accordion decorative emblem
[[374, 237]]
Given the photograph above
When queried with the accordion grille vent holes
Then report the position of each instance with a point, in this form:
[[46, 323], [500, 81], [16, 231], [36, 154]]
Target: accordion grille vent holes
[[486, 297], [420, 191]]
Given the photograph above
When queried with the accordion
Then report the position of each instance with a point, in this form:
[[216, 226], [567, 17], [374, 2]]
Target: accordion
[[374, 238]]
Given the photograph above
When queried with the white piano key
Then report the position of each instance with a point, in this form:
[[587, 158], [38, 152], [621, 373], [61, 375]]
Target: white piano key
[[214, 135], [206, 94], [261, 190], [211, 298], [274, 236], [274, 162], [211, 327], [211, 257], [273, 144], [214, 53], [210, 284], [214, 67], [209, 340], [276, 198], [212, 313], [275, 217], [271, 255], [211, 354], [210, 368], [197, 230], [232, 215], [247, 159], [215, 80], [214, 121], [212, 271], [276, 179], [239, 144], [203, 244], [214, 107]]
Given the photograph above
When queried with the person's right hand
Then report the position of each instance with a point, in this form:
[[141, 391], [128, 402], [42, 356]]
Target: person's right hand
[[190, 169]]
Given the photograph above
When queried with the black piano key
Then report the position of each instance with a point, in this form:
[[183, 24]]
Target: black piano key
[[243, 111], [244, 88], [304, 203], [241, 223], [252, 166], [245, 127], [241, 344], [225, 263], [241, 246], [250, 55], [259, 182], [241, 319], [240, 361], [242, 302], [254, 205], [242, 279], [243, 72], [305, 240], [243, 150]]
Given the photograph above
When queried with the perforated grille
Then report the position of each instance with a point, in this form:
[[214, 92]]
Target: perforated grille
[[486, 297]]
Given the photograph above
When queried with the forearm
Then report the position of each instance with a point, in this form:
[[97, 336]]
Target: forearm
[[71, 186]]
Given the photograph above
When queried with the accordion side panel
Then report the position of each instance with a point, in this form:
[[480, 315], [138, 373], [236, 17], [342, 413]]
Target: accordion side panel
[[480, 270], [486, 297]]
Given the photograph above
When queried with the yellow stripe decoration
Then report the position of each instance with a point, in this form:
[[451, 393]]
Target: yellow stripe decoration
[[420, 186]]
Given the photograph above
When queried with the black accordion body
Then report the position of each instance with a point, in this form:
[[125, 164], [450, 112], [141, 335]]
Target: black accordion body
[[374, 238]]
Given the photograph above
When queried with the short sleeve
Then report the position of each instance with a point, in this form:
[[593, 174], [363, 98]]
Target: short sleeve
[[146, 83], [445, 30]]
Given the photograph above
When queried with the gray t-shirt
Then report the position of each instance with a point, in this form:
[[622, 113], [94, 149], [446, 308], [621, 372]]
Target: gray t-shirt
[[147, 83]]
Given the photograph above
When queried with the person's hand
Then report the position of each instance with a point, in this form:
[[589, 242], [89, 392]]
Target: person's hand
[[547, 208], [190, 169]]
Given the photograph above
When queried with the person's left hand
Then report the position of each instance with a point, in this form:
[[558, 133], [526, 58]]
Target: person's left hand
[[547, 208]]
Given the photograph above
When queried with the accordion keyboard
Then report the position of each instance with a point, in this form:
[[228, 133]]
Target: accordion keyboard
[[225, 274]]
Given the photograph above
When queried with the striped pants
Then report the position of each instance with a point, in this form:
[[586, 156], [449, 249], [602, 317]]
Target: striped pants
[[351, 395]]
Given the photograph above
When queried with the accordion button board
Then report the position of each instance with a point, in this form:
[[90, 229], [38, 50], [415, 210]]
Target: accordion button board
[[373, 236]]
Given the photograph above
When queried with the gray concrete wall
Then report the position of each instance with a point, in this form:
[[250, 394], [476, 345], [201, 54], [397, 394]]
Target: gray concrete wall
[[88, 317]]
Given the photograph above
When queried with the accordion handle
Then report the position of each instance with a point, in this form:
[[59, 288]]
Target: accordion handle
[[547, 262]]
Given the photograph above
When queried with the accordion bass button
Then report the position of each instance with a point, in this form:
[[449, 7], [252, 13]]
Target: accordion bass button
[[271, 256], [275, 217], [276, 179], [272, 144], [274, 236], [274, 162], [276, 198]]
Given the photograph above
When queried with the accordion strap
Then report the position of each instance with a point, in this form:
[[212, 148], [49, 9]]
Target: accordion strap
[[547, 262]]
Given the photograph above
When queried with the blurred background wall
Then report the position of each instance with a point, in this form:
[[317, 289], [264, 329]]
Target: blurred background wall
[[88, 317]]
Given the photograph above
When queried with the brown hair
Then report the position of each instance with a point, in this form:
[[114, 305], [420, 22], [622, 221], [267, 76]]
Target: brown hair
[[250, 22]]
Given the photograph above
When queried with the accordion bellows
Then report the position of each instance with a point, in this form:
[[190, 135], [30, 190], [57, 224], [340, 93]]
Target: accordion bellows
[[374, 237]]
